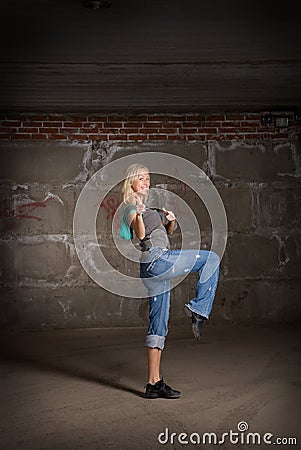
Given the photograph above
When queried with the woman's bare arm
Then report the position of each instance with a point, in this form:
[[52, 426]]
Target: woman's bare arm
[[136, 219], [137, 224]]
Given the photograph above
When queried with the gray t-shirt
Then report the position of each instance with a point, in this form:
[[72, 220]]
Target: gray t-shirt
[[155, 231]]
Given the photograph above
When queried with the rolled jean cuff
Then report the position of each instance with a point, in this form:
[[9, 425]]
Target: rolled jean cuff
[[155, 341], [197, 312]]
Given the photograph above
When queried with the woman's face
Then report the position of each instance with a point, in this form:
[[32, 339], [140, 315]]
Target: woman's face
[[142, 182]]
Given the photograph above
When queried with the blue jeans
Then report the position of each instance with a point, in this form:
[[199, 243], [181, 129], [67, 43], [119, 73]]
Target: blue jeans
[[157, 267]]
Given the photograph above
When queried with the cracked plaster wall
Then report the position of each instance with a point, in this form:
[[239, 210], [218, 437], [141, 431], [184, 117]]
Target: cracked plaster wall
[[43, 283]]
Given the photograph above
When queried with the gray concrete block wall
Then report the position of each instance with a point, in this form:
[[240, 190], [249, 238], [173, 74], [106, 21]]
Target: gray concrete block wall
[[43, 283]]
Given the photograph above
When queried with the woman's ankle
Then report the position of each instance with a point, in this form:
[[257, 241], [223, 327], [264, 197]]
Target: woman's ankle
[[154, 380]]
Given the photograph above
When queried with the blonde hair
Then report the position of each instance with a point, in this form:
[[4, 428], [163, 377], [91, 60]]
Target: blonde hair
[[130, 177]]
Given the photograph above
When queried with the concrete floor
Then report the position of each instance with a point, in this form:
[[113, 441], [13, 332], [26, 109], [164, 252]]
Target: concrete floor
[[83, 389]]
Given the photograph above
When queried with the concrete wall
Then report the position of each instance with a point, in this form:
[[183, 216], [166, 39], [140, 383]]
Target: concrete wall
[[47, 160]]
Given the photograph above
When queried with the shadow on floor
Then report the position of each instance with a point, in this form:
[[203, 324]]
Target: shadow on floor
[[47, 366]]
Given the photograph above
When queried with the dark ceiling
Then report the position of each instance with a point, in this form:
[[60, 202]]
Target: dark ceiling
[[154, 56]]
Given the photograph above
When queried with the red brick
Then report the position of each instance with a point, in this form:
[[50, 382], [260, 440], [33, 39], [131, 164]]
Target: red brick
[[168, 130], [28, 130], [21, 136], [192, 124], [93, 136], [179, 118], [232, 137], [175, 137], [227, 130], [280, 135], [98, 137], [48, 130], [86, 130], [52, 124], [71, 118], [256, 136], [11, 123], [137, 137], [190, 137], [130, 130], [195, 117], [39, 136], [263, 129], [132, 124], [187, 130], [69, 130], [247, 129], [5, 136], [158, 118], [92, 125], [173, 124], [57, 136], [213, 137], [157, 137], [209, 130], [113, 125], [7, 130], [250, 123], [71, 124], [211, 124], [235, 117], [78, 137], [152, 125], [119, 137], [32, 124], [154, 120], [113, 130], [148, 130], [230, 124]]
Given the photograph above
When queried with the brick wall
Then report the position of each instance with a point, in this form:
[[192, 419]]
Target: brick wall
[[188, 127]]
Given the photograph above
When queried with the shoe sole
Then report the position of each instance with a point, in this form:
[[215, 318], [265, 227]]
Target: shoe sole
[[162, 396], [195, 330]]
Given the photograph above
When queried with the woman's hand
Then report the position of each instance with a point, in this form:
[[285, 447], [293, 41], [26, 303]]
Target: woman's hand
[[170, 226], [140, 207], [169, 215]]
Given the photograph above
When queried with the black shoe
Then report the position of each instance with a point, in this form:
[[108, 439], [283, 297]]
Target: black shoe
[[197, 322], [160, 389]]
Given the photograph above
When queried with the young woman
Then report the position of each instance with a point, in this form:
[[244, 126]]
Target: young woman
[[158, 264]]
